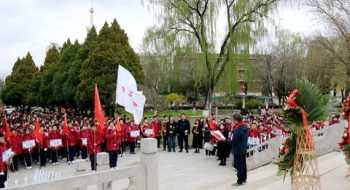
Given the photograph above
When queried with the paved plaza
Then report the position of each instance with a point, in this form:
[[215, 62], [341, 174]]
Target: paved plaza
[[189, 171]]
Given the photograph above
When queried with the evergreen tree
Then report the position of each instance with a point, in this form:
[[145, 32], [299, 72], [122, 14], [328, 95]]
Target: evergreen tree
[[19, 85], [46, 76], [112, 48]]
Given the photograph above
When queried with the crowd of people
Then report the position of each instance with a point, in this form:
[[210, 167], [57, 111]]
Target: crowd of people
[[46, 137]]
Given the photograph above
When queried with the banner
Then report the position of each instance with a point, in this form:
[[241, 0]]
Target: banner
[[134, 134], [6, 155], [55, 143], [28, 144], [84, 141]]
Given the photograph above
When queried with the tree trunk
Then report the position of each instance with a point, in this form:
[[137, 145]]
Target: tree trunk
[[208, 103]]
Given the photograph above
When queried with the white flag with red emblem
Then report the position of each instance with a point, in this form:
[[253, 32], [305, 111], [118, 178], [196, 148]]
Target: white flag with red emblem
[[128, 95]]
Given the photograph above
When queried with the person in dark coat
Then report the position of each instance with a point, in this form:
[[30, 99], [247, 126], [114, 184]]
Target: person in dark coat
[[224, 147], [239, 142], [201, 128], [206, 138], [183, 130], [171, 134], [196, 132]]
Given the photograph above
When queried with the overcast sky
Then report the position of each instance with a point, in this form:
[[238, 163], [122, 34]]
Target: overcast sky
[[31, 25]]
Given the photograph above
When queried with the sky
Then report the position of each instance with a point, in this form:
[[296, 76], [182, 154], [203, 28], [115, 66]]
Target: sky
[[31, 25]]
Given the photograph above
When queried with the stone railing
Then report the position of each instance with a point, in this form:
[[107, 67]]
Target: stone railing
[[326, 141], [140, 176]]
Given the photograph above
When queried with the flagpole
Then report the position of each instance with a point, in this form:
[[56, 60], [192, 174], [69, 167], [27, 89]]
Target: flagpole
[[39, 155], [94, 149]]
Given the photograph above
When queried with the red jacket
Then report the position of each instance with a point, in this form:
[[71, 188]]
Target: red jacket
[[94, 141], [156, 127], [130, 129], [46, 140], [112, 140], [3, 165], [150, 128], [16, 144], [126, 127], [26, 137], [54, 135], [84, 134], [71, 137], [254, 133]]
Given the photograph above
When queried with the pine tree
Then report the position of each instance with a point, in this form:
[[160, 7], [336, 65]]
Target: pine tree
[[19, 85], [110, 50]]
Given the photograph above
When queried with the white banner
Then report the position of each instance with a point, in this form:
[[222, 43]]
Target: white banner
[[84, 141], [134, 134], [7, 155], [28, 144], [55, 143], [149, 132]]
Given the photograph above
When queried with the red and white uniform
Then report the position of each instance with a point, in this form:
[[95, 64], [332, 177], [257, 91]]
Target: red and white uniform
[[148, 131], [112, 139], [133, 129]]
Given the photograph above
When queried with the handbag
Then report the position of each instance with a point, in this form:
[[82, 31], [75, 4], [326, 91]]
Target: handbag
[[208, 146]]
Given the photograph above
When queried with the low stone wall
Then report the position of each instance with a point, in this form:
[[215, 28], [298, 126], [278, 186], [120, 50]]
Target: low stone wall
[[326, 141], [141, 176]]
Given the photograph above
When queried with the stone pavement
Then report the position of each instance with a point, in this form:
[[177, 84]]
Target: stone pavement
[[189, 171]]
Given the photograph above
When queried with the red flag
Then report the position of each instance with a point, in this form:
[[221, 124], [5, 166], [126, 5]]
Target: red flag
[[37, 132], [7, 130], [65, 126], [118, 126], [99, 116]]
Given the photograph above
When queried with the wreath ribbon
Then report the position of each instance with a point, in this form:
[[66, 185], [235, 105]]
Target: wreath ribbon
[[292, 104]]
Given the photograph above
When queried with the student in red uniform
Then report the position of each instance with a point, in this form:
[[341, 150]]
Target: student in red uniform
[[94, 142], [147, 130], [112, 145], [27, 152], [133, 135], [71, 142], [44, 151], [76, 135], [16, 146], [54, 135], [84, 135], [3, 164], [156, 125], [125, 129]]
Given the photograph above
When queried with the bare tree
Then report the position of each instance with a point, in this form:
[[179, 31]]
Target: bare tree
[[336, 14]]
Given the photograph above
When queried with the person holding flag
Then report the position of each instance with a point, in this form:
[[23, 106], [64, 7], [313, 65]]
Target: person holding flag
[[94, 141], [95, 138], [16, 146], [70, 139], [44, 148]]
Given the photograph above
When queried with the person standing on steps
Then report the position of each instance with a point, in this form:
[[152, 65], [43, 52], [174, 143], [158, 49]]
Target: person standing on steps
[[239, 142]]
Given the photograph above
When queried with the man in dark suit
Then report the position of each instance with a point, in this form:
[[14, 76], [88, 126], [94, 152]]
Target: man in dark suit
[[183, 130], [239, 141]]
